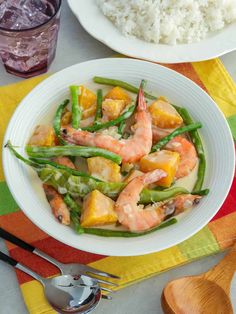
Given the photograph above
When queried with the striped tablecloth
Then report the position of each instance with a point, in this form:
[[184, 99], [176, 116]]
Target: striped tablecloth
[[218, 235]]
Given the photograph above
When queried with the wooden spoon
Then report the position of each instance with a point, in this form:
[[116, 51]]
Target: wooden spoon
[[208, 293]]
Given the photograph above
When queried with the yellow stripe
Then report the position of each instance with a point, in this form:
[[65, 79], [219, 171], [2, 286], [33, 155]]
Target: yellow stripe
[[219, 84], [135, 268], [34, 298], [10, 97]]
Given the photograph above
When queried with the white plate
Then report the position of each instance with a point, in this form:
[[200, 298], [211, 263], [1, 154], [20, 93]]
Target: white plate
[[101, 28], [41, 104]]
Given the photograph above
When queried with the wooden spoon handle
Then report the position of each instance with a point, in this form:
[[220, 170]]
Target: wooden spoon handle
[[223, 272]]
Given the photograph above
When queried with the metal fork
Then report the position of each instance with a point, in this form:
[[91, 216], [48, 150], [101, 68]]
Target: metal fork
[[72, 269]]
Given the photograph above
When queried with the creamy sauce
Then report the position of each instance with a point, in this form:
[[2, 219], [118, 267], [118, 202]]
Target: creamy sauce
[[188, 181]]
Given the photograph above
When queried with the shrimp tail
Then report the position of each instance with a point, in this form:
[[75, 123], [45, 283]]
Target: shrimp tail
[[142, 105]]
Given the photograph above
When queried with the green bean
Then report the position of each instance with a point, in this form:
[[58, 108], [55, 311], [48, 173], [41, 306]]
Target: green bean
[[62, 167], [121, 127], [98, 113], [75, 211], [98, 126], [166, 139], [57, 120], [71, 150], [153, 196], [72, 204], [75, 219], [127, 234], [17, 155], [127, 86], [199, 148], [201, 192], [159, 188], [76, 109]]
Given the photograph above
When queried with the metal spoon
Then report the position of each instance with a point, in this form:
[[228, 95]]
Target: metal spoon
[[65, 293]]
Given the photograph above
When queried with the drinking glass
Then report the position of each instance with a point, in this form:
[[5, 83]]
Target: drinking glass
[[28, 35]]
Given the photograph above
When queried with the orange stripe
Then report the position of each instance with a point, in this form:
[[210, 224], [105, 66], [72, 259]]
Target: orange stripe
[[18, 224], [224, 230], [187, 70]]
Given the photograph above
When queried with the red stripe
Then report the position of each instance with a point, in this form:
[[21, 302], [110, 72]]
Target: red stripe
[[57, 250], [229, 205]]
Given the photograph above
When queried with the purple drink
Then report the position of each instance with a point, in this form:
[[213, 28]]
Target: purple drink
[[28, 35]]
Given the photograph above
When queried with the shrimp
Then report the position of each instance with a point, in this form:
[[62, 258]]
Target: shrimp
[[59, 208], [188, 155], [137, 218], [131, 149], [131, 215], [159, 133], [65, 161]]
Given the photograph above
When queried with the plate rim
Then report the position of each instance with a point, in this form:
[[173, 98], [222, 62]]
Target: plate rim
[[60, 238], [159, 58]]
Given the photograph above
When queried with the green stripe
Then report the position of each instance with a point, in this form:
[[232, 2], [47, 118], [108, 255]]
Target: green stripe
[[232, 123], [201, 244], [7, 202]]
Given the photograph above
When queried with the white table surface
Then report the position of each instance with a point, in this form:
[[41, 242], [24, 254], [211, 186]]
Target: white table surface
[[75, 46]]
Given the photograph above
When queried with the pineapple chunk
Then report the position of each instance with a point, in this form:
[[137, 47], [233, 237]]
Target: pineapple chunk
[[66, 117], [104, 169], [118, 94], [86, 98], [43, 136], [98, 209], [89, 112], [164, 115], [134, 174], [165, 160], [112, 108]]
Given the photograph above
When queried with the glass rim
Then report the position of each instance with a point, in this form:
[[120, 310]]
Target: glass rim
[[32, 28]]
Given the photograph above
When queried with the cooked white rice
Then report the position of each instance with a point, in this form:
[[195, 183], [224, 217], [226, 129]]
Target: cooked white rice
[[169, 21]]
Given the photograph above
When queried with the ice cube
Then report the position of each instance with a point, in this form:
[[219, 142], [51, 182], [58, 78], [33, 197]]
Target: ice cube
[[33, 6], [35, 10], [22, 23], [9, 13], [8, 18], [3, 7]]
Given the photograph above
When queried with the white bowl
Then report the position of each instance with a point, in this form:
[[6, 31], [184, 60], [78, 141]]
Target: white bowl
[[101, 28], [41, 103]]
